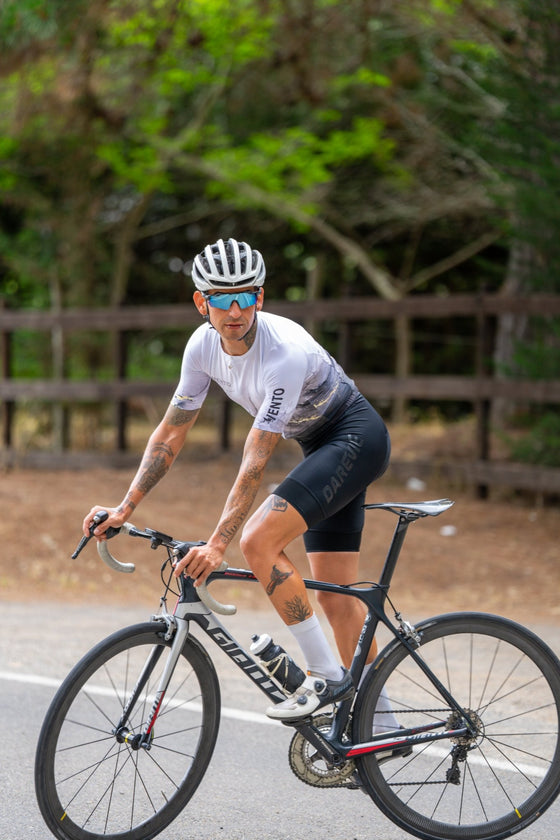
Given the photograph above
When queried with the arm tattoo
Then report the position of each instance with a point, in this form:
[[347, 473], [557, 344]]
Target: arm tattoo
[[297, 610], [155, 466], [276, 578], [258, 449], [180, 417], [126, 503]]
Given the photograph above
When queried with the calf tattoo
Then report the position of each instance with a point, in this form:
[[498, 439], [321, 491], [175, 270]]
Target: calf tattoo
[[297, 609], [276, 578]]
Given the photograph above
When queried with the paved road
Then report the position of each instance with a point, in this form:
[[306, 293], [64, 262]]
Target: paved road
[[249, 792]]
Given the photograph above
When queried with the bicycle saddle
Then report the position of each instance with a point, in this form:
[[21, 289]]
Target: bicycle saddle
[[433, 508]]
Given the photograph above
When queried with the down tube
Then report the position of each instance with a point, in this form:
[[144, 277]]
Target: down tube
[[223, 638]]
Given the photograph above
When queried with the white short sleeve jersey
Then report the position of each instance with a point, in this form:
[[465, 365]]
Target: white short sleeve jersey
[[286, 380]]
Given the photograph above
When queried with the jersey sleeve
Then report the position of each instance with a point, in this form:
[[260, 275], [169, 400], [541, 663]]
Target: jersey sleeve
[[194, 381]]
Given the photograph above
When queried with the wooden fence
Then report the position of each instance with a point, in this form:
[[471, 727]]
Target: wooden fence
[[479, 389]]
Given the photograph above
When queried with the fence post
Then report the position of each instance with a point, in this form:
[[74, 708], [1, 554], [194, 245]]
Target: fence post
[[121, 406], [8, 406], [482, 403], [225, 424]]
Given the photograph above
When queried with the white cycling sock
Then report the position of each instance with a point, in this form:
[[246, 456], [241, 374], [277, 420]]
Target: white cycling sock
[[384, 719], [314, 645]]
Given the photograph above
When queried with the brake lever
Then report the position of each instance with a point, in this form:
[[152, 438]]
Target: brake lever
[[99, 517]]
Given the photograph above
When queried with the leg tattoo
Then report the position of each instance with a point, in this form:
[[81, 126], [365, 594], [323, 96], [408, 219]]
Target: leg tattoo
[[297, 610], [276, 578], [274, 503]]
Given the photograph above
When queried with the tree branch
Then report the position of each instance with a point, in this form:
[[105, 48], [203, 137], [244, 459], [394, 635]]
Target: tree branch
[[380, 279], [460, 256]]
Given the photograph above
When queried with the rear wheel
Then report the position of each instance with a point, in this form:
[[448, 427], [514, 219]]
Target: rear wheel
[[489, 784], [93, 782]]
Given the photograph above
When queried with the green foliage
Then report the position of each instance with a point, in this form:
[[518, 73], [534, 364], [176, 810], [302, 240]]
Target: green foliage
[[156, 356], [30, 353], [26, 21], [132, 132], [541, 444], [540, 357], [295, 161]]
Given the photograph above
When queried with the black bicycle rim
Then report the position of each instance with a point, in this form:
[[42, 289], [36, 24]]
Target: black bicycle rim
[[88, 784], [487, 786]]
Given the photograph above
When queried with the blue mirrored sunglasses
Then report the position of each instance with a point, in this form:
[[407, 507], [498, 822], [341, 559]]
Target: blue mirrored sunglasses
[[223, 300]]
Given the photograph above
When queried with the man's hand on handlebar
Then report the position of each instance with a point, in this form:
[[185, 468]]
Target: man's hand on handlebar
[[199, 562], [115, 519]]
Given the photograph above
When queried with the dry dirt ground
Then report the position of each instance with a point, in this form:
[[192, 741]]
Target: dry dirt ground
[[502, 555]]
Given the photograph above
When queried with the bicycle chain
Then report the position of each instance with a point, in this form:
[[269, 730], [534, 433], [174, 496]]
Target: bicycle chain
[[310, 767]]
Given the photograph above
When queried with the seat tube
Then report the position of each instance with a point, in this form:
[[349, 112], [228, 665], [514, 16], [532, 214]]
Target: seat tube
[[394, 550]]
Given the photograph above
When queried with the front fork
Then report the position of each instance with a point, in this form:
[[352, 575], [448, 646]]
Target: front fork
[[178, 629]]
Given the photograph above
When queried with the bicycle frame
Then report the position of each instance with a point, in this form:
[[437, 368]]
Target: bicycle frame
[[485, 769], [330, 745]]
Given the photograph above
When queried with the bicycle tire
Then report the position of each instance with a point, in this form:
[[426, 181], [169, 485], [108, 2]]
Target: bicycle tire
[[503, 779], [88, 785]]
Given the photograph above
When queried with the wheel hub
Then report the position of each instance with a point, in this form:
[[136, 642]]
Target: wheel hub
[[457, 721]]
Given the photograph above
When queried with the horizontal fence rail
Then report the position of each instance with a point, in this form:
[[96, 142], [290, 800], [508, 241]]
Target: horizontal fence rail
[[436, 388], [479, 389], [340, 309]]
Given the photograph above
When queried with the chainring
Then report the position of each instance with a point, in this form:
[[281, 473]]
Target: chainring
[[309, 766]]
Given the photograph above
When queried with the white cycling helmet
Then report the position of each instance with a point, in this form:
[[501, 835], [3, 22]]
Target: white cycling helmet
[[228, 265]]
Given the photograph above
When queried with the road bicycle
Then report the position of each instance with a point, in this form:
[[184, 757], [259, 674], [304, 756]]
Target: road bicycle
[[130, 732]]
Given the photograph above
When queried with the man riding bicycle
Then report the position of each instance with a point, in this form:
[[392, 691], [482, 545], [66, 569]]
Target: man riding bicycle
[[293, 388]]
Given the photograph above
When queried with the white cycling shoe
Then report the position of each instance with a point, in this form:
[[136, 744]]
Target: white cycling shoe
[[314, 693]]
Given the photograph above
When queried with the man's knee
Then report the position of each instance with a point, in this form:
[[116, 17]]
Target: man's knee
[[252, 542]]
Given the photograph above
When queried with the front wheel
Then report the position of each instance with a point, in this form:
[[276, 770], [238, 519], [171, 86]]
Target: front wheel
[[484, 785], [92, 781]]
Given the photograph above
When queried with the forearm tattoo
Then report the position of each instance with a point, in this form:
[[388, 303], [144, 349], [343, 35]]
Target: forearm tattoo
[[155, 465], [296, 610], [276, 578], [127, 503], [258, 448]]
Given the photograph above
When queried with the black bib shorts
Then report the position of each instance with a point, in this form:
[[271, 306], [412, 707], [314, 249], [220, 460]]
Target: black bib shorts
[[328, 488]]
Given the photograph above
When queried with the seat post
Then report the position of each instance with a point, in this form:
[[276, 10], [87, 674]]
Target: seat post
[[395, 548]]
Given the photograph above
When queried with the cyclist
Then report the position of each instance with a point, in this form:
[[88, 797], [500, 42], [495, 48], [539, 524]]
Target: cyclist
[[294, 389]]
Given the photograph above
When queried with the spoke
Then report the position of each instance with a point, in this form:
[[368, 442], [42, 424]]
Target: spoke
[[514, 765], [475, 788], [81, 744], [108, 788], [513, 691], [524, 713], [425, 687], [88, 695], [508, 745]]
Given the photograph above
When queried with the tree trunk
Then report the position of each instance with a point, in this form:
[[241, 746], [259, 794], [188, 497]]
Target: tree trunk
[[403, 354], [511, 327], [60, 412]]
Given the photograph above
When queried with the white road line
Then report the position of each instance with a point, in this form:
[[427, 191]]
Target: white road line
[[49, 682], [255, 717]]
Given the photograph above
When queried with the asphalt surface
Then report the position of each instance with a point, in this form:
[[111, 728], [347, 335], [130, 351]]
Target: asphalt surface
[[249, 790]]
